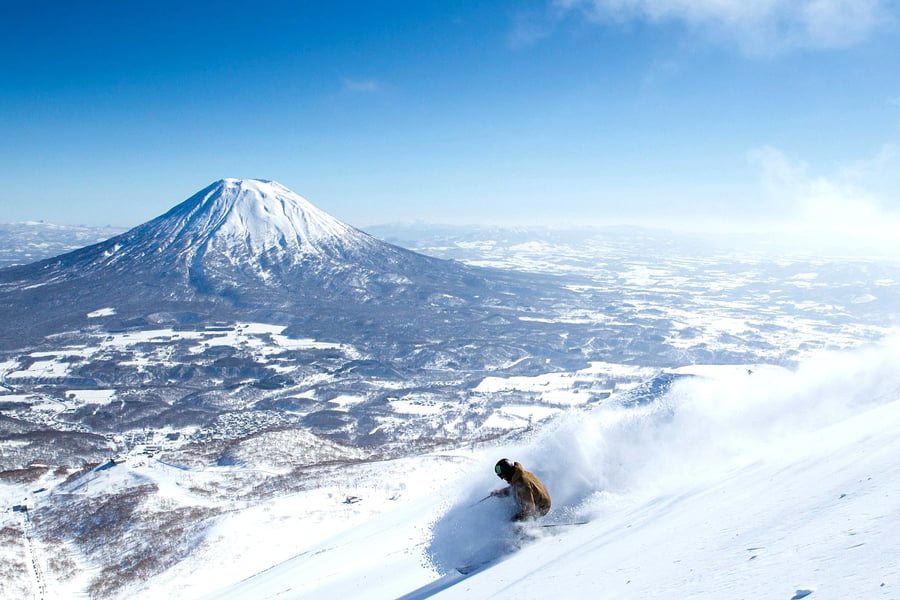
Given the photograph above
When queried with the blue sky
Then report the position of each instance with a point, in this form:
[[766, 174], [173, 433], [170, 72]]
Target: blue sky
[[557, 111]]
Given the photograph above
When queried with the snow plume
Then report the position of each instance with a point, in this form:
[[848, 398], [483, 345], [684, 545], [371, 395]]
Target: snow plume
[[705, 425]]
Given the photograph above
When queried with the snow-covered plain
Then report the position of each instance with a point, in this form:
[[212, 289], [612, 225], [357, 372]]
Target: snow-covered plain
[[740, 482], [260, 339]]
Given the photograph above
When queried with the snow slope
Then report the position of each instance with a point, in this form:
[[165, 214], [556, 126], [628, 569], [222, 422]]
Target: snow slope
[[736, 482]]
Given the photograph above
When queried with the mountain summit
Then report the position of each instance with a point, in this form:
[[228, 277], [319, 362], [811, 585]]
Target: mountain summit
[[251, 217]]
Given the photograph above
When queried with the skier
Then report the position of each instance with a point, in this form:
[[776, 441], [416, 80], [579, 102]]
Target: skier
[[530, 494]]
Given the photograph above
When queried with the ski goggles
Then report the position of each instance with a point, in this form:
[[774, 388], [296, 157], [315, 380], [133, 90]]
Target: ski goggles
[[498, 470]]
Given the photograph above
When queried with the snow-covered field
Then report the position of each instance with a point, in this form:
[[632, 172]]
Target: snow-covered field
[[736, 482], [260, 339]]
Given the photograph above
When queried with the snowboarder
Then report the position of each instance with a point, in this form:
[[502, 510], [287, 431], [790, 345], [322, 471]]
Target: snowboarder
[[530, 494]]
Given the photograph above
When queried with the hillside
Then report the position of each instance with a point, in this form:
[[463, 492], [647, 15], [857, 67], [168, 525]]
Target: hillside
[[775, 484]]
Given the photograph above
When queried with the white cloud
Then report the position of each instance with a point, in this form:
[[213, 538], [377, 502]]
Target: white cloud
[[361, 85], [883, 160], [757, 26], [531, 27], [840, 202]]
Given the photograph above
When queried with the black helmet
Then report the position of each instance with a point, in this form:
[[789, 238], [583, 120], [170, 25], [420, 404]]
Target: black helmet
[[504, 468]]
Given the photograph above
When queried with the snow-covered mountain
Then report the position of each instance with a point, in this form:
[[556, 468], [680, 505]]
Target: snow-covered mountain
[[241, 217], [334, 330], [246, 248], [258, 228]]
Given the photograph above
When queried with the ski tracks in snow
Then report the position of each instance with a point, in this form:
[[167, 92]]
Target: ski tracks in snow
[[36, 574]]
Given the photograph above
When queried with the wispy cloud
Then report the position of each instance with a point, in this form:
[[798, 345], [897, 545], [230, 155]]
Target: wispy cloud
[[837, 202], [361, 86], [760, 27], [531, 26]]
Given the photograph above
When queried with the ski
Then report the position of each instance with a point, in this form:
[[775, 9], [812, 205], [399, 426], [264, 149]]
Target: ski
[[477, 566], [563, 524], [469, 569], [446, 581]]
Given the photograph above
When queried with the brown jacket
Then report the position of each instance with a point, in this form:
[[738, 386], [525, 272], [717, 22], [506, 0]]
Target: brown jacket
[[529, 492]]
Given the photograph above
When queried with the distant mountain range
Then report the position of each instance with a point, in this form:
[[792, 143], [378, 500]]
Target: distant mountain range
[[23, 243]]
